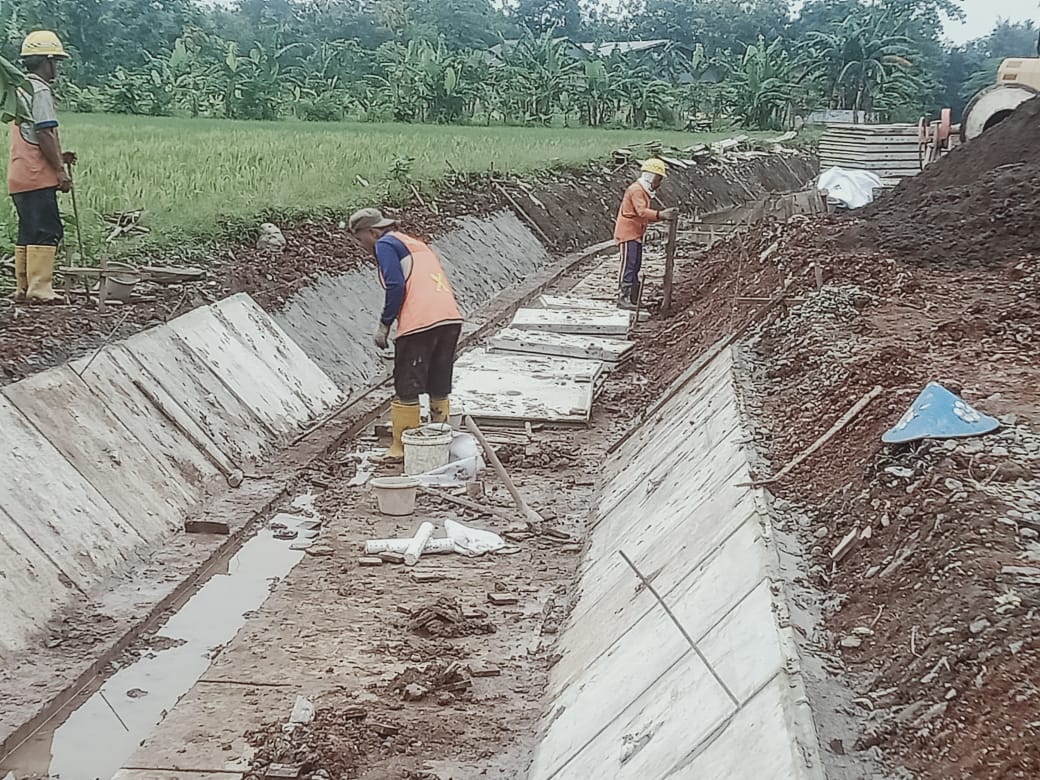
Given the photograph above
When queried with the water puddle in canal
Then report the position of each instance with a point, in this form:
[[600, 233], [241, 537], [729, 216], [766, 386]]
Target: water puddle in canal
[[95, 735]]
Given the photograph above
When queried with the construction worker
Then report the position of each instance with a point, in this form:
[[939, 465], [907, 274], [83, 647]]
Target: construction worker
[[419, 297], [35, 172], [633, 218]]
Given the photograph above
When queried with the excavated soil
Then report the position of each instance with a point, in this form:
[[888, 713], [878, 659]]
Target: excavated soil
[[933, 612], [977, 206]]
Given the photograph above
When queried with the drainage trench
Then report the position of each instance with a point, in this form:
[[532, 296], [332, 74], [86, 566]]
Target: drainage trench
[[293, 377]]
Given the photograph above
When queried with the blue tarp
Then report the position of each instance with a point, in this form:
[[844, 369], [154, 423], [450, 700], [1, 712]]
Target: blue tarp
[[939, 414]]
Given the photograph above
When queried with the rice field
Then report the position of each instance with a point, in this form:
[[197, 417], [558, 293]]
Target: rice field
[[199, 178]]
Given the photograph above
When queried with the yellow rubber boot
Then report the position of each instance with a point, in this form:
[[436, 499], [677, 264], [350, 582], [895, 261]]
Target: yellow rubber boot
[[20, 278], [440, 410], [403, 417], [39, 267]]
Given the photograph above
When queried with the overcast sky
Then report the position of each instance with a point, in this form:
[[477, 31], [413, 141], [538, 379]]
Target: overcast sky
[[982, 15]]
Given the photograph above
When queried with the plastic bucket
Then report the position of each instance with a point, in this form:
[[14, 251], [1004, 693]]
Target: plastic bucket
[[120, 280], [426, 448], [395, 495]]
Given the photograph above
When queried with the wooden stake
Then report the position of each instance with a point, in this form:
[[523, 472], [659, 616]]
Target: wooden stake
[[845, 419], [533, 519], [669, 267], [520, 210]]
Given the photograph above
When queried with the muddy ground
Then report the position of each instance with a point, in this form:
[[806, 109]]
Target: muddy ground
[[562, 206]]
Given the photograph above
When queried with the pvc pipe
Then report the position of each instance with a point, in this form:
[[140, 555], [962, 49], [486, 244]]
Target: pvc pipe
[[433, 546], [415, 549]]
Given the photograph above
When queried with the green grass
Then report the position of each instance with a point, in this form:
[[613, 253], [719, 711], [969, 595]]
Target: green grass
[[194, 177]]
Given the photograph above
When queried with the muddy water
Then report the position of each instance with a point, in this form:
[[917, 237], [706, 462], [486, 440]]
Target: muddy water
[[95, 735]]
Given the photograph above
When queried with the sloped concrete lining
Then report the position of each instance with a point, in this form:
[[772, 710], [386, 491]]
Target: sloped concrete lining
[[94, 476], [698, 677], [166, 361], [256, 368], [333, 318], [147, 495], [111, 375]]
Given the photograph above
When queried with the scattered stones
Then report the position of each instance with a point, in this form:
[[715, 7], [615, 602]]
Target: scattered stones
[[822, 532], [484, 669], [503, 599], [444, 698], [392, 557], [978, 626], [414, 692], [271, 238], [370, 560], [851, 642], [320, 551]]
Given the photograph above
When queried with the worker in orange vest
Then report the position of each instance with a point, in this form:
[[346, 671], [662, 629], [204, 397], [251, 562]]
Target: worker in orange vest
[[420, 299], [36, 172], [633, 218]]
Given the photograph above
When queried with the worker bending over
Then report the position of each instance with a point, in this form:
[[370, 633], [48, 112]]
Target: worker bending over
[[420, 299], [35, 172], [633, 218]]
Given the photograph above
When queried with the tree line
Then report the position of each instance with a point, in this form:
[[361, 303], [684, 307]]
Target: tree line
[[521, 62]]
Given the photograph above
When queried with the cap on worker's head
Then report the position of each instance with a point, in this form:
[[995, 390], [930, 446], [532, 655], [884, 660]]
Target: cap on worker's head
[[368, 219], [44, 43], [656, 166]]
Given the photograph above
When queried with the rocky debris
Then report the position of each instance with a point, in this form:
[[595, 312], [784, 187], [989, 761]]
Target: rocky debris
[[271, 238], [334, 745], [446, 618], [417, 682]]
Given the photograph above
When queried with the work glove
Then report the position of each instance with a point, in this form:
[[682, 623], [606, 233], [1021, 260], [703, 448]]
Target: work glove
[[382, 337], [668, 214]]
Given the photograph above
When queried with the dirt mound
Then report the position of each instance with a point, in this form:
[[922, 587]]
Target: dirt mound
[[978, 205]]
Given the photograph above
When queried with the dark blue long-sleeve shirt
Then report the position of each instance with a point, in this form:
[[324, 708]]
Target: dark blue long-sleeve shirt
[[390, 252]]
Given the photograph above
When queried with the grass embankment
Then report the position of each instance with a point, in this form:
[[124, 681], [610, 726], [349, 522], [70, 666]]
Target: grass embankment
[[193, 177]]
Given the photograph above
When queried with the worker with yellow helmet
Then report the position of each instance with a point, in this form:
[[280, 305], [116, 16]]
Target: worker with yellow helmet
[[36, 172], [633, 218]]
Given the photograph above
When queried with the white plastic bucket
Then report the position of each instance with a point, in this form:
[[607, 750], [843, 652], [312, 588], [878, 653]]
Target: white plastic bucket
[[395, 495], [120, 281], [426, 448]]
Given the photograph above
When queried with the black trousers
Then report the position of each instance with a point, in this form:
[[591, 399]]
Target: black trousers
[[39, 221], [424, 362]]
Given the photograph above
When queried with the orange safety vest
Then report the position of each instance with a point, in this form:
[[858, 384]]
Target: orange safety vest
[[428, 297]]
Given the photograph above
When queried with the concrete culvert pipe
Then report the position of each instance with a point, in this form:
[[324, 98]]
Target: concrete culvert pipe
[[992, 106]]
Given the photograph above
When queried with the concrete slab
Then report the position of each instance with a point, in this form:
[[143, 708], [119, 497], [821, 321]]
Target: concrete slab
[[745, 656], [607, 324], [561, 344], [243, 370], [65, 517], [147, 494], [32, 587], [650, 736], [513, 398], [220, 412], [576, 303], [257, 330], [610, 684], [111, 375], [768, 739], [549, 367]]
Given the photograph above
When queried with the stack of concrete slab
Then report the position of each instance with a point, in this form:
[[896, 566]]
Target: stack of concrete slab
[[107, 455], [547, 366], [892, 152]]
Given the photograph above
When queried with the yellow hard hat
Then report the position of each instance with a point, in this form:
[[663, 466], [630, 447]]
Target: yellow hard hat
[[43, 43], [656, 166]]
